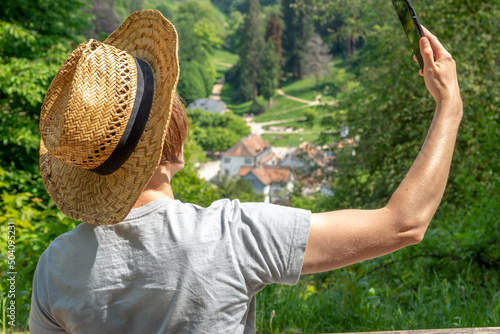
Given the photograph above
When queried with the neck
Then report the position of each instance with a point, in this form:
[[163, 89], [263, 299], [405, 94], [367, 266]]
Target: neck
[[158, 187], [149, 195]]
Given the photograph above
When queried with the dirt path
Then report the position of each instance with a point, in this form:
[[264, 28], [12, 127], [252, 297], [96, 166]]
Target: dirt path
[[258, 128], [218, 88], [310, 103]]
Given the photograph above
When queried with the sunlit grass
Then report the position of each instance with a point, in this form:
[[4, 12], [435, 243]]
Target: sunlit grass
[[348, 301], [223, 56], [223, 61], [303, 89], [289, 139]]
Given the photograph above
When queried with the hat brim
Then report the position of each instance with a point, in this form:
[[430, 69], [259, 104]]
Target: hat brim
[[107, 199]]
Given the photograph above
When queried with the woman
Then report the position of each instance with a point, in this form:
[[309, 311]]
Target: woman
[[112, 135]]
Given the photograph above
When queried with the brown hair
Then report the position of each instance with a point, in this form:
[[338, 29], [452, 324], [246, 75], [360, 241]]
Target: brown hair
[[177, 134]]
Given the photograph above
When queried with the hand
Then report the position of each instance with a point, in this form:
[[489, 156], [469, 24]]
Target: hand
[[439, 71]]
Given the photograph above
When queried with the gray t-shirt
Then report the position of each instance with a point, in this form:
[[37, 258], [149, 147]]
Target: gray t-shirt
[[169, 267]]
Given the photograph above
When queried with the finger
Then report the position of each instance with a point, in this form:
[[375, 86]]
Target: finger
[[437, 47], [415, 58], [427, 52]]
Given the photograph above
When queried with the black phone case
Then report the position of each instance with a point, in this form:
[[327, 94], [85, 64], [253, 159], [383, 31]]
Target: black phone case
[[414, 17], [416, 24]]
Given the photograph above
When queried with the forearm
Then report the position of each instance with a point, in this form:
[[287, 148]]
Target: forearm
[[416, 199]]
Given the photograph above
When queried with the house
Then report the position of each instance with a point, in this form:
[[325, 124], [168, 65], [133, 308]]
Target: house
[[350, 143], [306, 158], [251, 151], [313, 165], [276, 183]]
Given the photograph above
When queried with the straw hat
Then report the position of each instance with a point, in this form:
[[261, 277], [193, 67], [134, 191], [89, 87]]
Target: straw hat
[[105, 116]]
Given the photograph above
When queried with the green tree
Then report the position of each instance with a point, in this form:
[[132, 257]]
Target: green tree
[[105, 20], [186, 184], [199, 35], [316, 58], [268, 72], [310, 115], [299, 27], [252, 42], [274, 32], [216, 132], [351, 32], [207, 24], [237, 188]]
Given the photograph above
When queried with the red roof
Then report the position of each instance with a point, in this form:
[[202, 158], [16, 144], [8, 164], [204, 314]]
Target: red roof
[[317, 155], [266, 159], [249, 146], [271, 174], [346, 142], [244, 170]]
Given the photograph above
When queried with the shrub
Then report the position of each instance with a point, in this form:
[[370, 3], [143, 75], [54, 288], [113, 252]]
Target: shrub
[[256, 108]]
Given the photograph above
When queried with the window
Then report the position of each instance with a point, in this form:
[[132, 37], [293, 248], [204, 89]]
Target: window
[[227, 160], [248, 160]]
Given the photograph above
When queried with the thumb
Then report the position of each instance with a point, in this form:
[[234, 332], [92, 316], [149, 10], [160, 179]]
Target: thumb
[[426, 51]]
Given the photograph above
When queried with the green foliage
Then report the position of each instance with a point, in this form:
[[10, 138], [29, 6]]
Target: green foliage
[[268, 71], [207, 24], [234, 22], [238, 188], [353, 299], [51, 19], [199, 36], [390, 111], [406, 109], [256, 108], [196, 80], [316, 58], [252, 41], [37, 222], [298, 20], [216, 132], [310, 115], [186, 184]]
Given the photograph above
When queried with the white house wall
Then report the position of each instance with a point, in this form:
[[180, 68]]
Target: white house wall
[[233, 166], [263, 154], [267, 190]]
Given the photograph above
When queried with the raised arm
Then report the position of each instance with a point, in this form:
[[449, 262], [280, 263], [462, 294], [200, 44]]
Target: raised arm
[[341, 238]]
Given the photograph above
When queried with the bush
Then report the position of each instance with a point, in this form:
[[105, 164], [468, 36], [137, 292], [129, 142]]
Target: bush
[[256, 108]]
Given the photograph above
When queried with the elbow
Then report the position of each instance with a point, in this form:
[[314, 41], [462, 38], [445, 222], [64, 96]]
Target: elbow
[[410, 229], [413, 236]]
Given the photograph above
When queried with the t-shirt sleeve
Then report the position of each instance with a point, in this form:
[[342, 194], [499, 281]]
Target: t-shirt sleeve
[[269, 242], [40, 321]]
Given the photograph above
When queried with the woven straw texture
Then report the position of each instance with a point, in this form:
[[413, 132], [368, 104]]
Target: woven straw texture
[[87, 108]]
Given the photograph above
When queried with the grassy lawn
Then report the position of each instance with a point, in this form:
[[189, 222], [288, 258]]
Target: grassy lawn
[[289, 139], [303, 89], [238, 108], [348, 300], [221, 58], [282, 109], [299, 124]]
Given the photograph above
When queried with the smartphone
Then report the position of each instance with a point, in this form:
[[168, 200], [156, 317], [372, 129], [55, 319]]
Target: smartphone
[[411, 26]]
